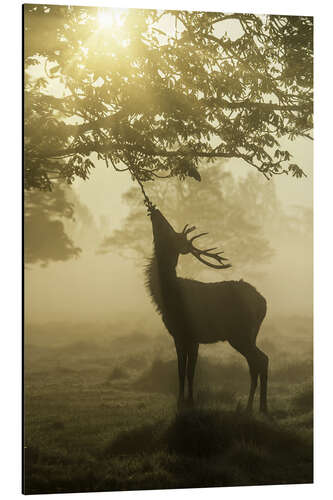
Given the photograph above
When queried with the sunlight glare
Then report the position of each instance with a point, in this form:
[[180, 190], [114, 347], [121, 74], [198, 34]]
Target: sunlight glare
[[110, 17], [105, 18]]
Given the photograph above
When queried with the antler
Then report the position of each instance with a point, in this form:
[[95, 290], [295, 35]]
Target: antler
[[187, 229], [196, 252]]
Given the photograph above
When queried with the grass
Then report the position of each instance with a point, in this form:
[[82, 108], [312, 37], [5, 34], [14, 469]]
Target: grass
[[93, 425], [196, 448]]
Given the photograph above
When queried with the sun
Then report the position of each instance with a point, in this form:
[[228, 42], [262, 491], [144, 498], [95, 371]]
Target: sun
[[111, 17], [105, 18]]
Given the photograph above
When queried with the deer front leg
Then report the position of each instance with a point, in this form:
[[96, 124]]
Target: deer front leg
[[182, 357], [263, 381], [253, 387], [192, 360]]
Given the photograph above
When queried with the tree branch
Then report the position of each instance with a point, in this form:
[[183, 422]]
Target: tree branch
[[104, 148], [247, 104]]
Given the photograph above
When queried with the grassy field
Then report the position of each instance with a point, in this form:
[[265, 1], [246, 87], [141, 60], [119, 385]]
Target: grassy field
[[100, 412]]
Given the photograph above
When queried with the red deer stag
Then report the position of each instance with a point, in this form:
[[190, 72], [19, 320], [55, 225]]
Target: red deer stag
[[202, 313]]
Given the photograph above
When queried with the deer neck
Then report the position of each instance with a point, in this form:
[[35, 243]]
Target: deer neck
[[161, 280]]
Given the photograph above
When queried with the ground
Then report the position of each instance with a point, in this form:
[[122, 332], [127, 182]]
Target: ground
[[101, 414]]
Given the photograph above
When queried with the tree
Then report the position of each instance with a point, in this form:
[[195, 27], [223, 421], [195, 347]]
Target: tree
[[45, 236], [156, 101], [234, 212]]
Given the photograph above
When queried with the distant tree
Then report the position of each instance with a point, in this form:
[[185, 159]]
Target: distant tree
[[45, 236], [157, 101], [234, 212]]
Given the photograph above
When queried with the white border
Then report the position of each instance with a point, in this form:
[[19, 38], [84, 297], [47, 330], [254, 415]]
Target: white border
[[10, 197]]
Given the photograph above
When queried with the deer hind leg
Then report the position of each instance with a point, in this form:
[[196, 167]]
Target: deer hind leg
[[253, 358], [191, 363], [182, 358], [258, 364]]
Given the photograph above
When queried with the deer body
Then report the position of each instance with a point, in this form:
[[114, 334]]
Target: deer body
[[201, 313]]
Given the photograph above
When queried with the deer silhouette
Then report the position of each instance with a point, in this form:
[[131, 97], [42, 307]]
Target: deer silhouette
[[202, 313]]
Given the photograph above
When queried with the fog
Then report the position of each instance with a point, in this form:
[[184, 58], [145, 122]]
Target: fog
[[103, 287]]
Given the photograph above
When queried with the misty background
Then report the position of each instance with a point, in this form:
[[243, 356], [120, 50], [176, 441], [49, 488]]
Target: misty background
[[73, 275]]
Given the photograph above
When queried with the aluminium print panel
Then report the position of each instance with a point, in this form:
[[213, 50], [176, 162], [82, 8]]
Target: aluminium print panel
[[168, 249]]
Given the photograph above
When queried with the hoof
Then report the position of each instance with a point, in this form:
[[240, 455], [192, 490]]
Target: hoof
[[190, 403], [239, 408], [266, 414], [185, 404], [181, 404], [244, 410]]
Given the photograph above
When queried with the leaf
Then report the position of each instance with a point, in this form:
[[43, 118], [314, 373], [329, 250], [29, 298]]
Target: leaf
[[54, 69], [193, 172]]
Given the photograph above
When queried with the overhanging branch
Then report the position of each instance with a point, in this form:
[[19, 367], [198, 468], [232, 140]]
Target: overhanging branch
[[103, 148]]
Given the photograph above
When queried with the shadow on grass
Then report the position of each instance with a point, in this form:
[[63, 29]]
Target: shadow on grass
[[207, 432], [199, 447]]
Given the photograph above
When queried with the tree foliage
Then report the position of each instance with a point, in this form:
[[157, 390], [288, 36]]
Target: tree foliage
[[45, 236], [158, 91]]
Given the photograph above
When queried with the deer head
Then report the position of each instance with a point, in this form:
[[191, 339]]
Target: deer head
[[171, 243]]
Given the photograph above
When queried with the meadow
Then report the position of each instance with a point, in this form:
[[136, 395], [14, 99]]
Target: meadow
[[100, 411]]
